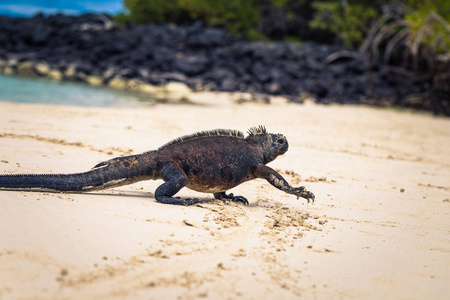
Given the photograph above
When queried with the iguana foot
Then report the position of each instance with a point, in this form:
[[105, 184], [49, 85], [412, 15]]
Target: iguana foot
[[240, 199], [190, 201], [302, 192], [178, 200], [224, 196], [187, 201]]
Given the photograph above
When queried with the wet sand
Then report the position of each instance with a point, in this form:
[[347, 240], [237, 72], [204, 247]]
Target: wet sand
[[380, 226]]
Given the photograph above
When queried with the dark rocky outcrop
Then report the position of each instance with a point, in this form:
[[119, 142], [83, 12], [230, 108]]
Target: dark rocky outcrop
[[91, 48]]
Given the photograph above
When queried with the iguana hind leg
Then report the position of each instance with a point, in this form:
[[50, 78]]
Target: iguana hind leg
[[223, 195], [175, 179]]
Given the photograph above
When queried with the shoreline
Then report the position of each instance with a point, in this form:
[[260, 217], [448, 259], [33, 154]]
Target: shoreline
[[176, 93], [378, 228], [170, 93]]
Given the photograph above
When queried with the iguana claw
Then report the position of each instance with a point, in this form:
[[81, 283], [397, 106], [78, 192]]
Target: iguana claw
[[241, 199], [310, 197], [302, 192], [224, 196]]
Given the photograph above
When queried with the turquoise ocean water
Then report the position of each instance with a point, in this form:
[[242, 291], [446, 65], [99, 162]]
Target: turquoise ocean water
[[32, 90]]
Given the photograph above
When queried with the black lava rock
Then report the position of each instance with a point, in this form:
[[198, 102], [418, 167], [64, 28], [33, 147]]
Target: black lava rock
[[158, 53]]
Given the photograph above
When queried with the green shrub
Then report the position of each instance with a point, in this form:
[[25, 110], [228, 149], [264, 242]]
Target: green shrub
[[428, 28], [240, 17], [350, 22], [157, 11], [412, 47]]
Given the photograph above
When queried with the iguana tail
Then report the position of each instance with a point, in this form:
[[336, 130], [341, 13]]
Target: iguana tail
[[103, 176]]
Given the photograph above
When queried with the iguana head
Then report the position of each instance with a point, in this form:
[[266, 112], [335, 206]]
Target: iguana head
[[271, 145]]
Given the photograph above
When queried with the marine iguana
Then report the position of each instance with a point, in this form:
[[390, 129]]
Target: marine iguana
[[208, 161]]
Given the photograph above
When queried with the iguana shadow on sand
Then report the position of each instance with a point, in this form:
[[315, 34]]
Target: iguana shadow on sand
[[208, 161]]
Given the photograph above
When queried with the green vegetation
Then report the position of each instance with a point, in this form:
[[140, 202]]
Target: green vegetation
[[428, 27], [408, 39], [350, 20], [158, 11], [411, 44], [240, 17]]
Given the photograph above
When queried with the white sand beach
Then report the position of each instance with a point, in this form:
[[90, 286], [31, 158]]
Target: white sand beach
[[379, 228]]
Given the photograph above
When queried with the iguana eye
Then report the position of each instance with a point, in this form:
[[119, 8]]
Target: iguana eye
[[280, 141]]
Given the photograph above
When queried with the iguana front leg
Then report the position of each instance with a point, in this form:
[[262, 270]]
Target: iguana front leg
[[223, 195], [275, 179]]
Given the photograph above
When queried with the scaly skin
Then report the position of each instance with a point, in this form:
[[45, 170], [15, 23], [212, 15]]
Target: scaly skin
[[210, 162]]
